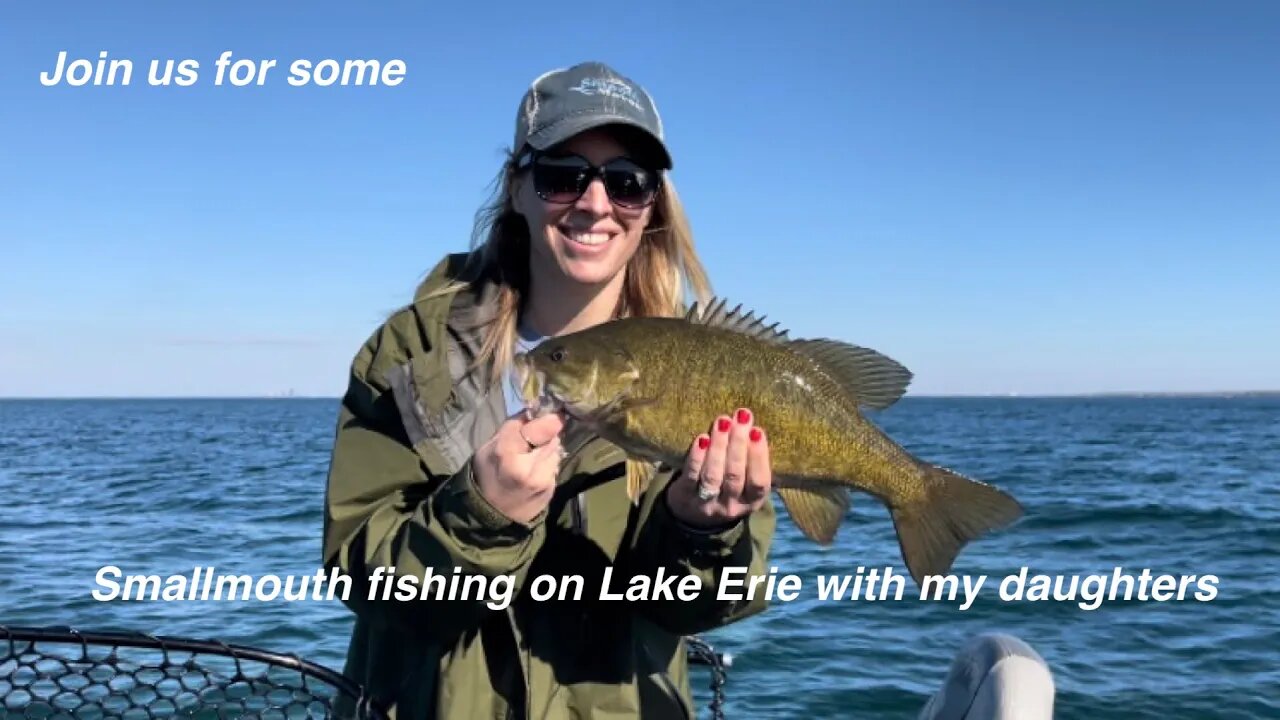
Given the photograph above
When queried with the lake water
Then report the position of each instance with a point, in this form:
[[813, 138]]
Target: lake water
[[1178, 486]]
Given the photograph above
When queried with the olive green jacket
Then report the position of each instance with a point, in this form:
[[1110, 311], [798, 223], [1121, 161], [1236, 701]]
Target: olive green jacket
[[401, 495]]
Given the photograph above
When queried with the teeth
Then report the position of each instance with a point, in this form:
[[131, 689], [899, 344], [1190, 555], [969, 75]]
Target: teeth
[[588, 238]]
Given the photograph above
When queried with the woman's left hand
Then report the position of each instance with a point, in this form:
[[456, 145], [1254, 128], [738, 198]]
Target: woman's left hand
[[726, 473]]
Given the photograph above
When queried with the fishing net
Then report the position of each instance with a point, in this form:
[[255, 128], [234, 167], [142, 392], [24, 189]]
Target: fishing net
[[63, 673], [700, 652]]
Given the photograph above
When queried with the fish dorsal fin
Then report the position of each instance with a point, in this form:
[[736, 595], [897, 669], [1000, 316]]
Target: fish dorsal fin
[[715, 314], [870, 378]]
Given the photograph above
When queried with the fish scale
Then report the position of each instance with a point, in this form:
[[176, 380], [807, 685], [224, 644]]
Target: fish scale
[[816, 435], [650, 385]]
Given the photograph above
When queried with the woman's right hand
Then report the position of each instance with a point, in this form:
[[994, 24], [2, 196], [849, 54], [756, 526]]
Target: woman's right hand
[[516, 469]]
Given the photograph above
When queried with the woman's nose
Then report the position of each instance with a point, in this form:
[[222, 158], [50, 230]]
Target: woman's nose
[[595, 200]]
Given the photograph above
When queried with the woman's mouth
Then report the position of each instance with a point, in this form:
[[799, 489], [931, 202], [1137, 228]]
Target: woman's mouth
[[585, 239]]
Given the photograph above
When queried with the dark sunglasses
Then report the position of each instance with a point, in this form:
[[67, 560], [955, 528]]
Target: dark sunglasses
[[564, 178]]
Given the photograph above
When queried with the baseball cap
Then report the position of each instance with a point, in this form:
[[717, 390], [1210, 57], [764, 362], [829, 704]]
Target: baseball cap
[[564, 102]]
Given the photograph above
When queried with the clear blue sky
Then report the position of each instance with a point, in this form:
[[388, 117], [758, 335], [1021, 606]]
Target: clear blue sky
[[1006, 197]]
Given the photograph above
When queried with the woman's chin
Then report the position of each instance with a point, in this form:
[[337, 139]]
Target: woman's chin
[[588, 271]]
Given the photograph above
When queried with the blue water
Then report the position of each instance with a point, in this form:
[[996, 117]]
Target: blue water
[[1176, 486]]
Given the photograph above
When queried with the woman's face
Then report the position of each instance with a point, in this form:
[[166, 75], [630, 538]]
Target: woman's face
[[591, 240]]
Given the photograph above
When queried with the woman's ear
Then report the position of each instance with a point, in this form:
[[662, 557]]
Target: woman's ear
[[519, 194]]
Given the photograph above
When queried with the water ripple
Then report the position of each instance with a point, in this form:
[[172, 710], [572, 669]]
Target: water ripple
[[1174, 487]]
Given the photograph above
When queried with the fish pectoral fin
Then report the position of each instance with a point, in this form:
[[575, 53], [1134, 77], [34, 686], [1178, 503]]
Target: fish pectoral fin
[[639, 474], [870, 378], [818, 512]]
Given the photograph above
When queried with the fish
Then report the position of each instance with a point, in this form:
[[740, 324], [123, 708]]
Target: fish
[[650, 385]]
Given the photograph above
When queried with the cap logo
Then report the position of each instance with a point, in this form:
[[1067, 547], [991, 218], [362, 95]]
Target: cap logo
[[609, 88]]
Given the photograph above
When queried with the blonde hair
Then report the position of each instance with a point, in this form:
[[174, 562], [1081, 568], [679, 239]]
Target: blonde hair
[[664, 271]]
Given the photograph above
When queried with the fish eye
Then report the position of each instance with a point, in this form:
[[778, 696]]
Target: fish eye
[[558, 354]]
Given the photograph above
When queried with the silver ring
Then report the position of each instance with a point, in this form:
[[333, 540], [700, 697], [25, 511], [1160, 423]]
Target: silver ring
[[526, 440], [705, 493]]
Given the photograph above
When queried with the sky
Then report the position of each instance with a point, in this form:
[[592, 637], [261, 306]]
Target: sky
[[1007, 198]]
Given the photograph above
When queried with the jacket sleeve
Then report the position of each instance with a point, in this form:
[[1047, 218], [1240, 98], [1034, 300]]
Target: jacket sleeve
[[739, 552], [387, 514]]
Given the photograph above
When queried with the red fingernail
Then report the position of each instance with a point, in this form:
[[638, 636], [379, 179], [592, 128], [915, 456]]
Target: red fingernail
[[704, 442], [756, 434], [744, 417], [723, 425]]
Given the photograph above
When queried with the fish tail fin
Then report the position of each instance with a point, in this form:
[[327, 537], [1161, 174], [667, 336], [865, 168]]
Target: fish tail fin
[[954, 511]]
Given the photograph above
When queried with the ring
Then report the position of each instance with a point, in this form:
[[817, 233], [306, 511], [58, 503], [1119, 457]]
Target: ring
[[526, 440], [705, 493]]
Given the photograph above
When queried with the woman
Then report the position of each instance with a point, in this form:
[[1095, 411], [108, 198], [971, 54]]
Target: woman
[[436, 467]]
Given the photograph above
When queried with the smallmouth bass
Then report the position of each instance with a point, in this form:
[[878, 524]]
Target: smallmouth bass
[[651, 384]]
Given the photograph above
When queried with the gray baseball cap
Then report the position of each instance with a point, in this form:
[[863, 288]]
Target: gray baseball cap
[[562, 103]]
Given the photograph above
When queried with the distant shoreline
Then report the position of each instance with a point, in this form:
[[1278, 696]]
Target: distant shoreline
[[1207, 394]]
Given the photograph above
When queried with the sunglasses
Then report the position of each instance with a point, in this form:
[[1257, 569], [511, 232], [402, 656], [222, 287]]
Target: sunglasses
[[564, 178]]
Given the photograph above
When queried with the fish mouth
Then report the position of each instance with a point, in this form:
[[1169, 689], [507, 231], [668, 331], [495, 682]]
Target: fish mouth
[[548, 400], [539, 395]]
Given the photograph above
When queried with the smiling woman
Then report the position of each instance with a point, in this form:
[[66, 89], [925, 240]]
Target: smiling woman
[[436, 464]]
